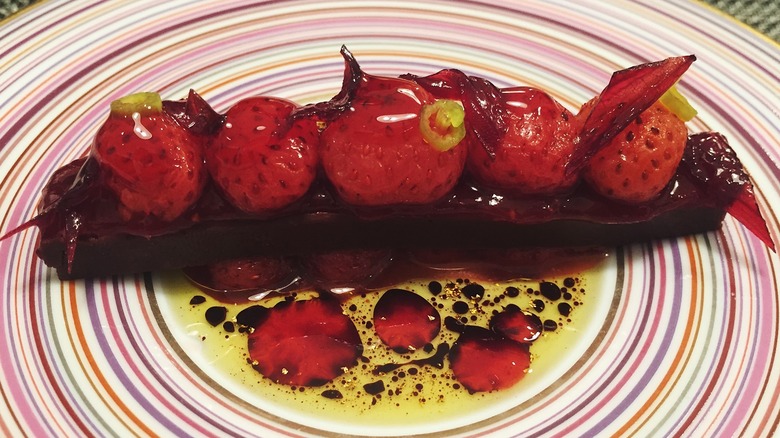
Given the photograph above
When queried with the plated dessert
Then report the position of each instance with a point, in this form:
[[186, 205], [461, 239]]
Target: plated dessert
[[273, 196]]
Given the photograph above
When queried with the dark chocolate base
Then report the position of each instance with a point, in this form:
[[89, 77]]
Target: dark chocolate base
[[211, 242]]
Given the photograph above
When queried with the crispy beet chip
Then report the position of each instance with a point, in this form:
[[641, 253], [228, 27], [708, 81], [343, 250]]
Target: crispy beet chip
[[304, 343], [405, 321], [483, 361], [483, 103], [353, 75], [195, 114], [715, 166], [628, 94]]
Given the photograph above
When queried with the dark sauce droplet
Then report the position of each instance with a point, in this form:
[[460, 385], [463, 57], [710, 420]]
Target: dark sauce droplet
[[333, 394], [550, 325], [512, 292], [250, 316], [549, 290], [473, 291], [434, 287], [216, 315], [460, 307], [564, 309], [375, 388], [538, 305], [197, 299], [569, 282]]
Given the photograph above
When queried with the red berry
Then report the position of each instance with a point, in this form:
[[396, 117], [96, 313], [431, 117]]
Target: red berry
[[245, 274], [345, 269], [260, 159], [483, 361], [531, 157], [639, 162], [405, 321], [375, 153], [517, 325], [304, 343], [153, 164]]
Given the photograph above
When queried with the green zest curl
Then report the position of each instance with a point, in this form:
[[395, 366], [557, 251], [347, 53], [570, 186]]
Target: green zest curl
[[142, 103], [675, 102], [442, 124]]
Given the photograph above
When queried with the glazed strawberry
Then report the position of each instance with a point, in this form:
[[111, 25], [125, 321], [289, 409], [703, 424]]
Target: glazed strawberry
[[531, 156], [245, 274], [260, 159], [516, 325], [640, 160], [304, 343], [483, 361], [153, 164], [395, 144], [346, 268], [405, 321]]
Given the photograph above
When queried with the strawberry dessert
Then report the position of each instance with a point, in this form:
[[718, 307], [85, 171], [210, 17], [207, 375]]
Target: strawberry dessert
[[271, 196]]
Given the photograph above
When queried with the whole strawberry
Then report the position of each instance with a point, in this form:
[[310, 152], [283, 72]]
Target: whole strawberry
[[395, 144], [153, 164], [261, 159], [531, 156], [638, 162]]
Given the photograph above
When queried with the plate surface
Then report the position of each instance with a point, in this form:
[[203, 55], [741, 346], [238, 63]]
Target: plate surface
[[690, 342]]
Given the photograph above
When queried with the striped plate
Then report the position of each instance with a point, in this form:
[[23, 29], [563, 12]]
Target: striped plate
[[686, 344]]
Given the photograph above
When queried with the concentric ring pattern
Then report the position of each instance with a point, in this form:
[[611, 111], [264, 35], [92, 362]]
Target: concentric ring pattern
[[692, 346]]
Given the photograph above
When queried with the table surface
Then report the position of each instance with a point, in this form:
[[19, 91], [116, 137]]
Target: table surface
[[762, 15]]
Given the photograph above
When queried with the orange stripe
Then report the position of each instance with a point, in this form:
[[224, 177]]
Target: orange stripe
[[90, 359], [678, 362]]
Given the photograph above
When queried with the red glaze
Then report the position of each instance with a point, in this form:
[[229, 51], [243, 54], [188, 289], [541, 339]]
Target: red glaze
[[639, 162], [153, 165], [304, 343], [374, 152], [258, 160], [531, 156], [405, 321]]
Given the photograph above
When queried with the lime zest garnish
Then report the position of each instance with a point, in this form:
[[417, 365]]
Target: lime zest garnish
[[675, 102], [142, 103], [442, 124]]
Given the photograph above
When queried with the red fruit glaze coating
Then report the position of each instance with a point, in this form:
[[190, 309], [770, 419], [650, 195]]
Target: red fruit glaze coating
[[153, 165], [531, 156], [259, 159], [304, 343], [641, 160], [374, 153]]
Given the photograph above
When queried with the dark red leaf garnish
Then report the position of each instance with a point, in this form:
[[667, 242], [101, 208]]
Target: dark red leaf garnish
[[483, 361], [517, 325], [339, 103], [304, 343], [195, 114], [483, 102], [405, 321], [714, 164], [628, 94]]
